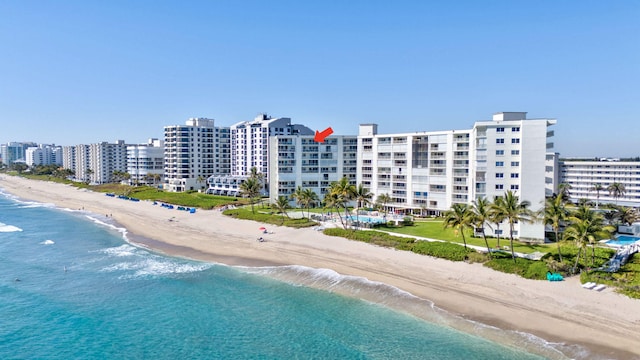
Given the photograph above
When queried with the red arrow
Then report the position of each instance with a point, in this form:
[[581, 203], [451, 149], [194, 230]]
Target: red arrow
[[321, 135]]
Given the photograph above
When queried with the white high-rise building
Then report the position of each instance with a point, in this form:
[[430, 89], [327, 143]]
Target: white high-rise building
[[43, 154], [250, 142], [69, 157], [193, 152], [298, 160], [82, 163], [106, 158], [583, 175], [427, 172], [145, 162]]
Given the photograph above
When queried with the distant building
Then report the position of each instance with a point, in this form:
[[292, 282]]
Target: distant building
[[106, 158], [583, 175], [145, 162], [298, 160], [95, 163], [427, 172], [43, 154], [193, 152], [15, 152]]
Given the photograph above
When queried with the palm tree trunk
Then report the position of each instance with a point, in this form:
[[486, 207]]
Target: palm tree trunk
[[593, 255], [513, 254], [558, 243], [577, 259], [463, 238], [498, 234], [486, 243]]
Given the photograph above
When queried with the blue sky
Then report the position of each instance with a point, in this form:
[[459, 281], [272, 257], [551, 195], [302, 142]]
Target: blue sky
[[88, 71]]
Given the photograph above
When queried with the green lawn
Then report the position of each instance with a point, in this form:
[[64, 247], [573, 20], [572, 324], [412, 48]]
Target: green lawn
[[434, 229]]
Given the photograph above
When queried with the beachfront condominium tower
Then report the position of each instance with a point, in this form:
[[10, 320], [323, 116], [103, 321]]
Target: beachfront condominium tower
[[427, 172], [193, 152], [597, 180], [96, 163], [250, 142], [298, 160], [145, 162], [105, 159], [43, 154]]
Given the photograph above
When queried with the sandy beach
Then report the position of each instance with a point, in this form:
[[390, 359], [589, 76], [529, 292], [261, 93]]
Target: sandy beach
[[605, 323]]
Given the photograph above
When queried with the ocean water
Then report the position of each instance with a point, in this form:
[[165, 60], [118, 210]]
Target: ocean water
[[72, 287]]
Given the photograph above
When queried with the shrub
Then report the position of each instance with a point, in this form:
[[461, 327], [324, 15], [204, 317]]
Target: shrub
[[443, 250]]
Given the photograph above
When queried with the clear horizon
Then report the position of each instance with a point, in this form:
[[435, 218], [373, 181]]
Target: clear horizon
[[86, 72]]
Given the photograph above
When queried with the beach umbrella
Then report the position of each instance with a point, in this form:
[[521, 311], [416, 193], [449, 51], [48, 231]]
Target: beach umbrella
[[262, 228]]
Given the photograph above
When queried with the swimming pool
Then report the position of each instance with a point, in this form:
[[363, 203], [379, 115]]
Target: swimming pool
[[367, 219], [622, 240]]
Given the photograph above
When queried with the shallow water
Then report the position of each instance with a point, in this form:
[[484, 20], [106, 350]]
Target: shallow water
[[84, 292]]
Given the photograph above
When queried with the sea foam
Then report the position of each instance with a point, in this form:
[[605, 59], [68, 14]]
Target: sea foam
[[48, 242], [8, 228], [400, 300], [138, 263]]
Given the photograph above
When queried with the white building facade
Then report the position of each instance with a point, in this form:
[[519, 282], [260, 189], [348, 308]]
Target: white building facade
[[145, 162], [298, 160], [106, 158], [69, 157], [250, 142], [427, 172], [193, 152], [43, 154], [583, 175]]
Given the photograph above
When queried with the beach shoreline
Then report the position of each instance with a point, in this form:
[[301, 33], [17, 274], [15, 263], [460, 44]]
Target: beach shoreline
[[604, 323]]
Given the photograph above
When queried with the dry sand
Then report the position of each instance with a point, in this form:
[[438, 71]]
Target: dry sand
[[605, 323]]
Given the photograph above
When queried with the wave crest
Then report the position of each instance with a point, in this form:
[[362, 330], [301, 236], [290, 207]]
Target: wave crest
[[8, 228]]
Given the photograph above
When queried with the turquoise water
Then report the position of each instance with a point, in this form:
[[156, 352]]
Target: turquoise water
[[622, 240], [71, 287], [366, 219]]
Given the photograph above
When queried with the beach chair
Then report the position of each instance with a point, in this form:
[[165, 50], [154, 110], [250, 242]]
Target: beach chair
[[589, 285], [599, 287]]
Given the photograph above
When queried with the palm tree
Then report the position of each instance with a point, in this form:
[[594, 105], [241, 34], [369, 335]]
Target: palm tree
[[597, 188], [253, 173], [251, 189], [384, 199], [88, 176], [200, 179], [459, 217], [362, 196], [555, 214], [515, 211], [331, 201], [627, 215], [310, 199], [281, 205], [617, 190], [343, 190], [299, 196], [586, 231], [481, 215], [563, 191], [497, 215]]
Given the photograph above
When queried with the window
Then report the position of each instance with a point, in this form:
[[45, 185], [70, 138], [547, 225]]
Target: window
[[515, 163], [515, 152], [515, 129], [515, 187], [500, 129], [499, 175], [499, 163], [499, 141], [499, 152], [499, 186], [515, 175], [515, 141]]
